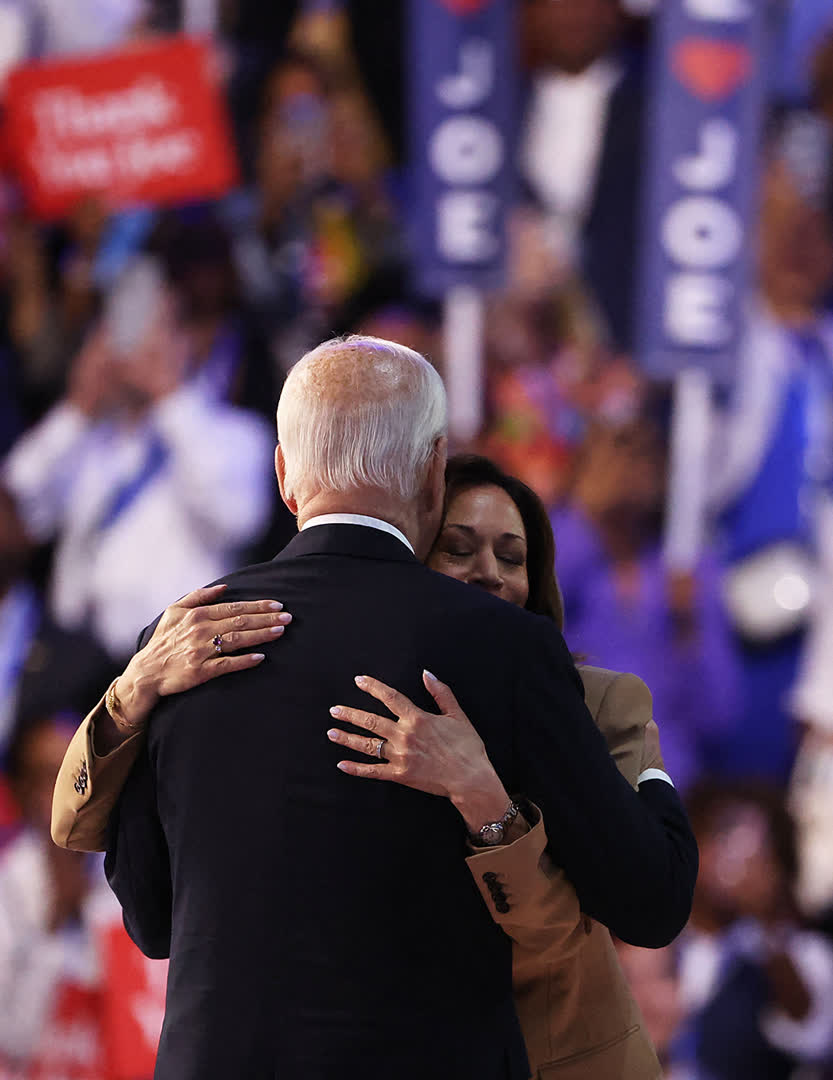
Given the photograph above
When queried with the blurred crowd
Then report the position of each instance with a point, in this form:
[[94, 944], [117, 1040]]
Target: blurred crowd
[[141, 355]]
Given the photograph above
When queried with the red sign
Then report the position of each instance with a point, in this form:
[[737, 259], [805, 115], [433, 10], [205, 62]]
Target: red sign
[[133, 1003], [143, 125], [71, 1046]]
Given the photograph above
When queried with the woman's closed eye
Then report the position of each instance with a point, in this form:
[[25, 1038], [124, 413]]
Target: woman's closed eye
[[457, 551]]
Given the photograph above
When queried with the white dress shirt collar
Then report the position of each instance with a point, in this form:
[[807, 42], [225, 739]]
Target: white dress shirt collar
[[359, 519]]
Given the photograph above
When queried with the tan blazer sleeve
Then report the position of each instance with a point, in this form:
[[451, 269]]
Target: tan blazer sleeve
[[529, 897], [88, 786], [624, 712]]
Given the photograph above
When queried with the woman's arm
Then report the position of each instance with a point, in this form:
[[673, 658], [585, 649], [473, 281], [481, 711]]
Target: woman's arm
[[443, 754], [526, 894], [180, 654]]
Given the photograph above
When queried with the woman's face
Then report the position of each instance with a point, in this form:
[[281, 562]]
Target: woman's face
[[483, 542]]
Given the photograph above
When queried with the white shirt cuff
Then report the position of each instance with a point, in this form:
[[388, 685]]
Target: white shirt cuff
[[654, 774]]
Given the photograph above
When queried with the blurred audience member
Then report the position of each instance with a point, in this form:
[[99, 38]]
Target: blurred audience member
[[757, 986], [257, 36], [580, 153], [320, 220], [811, 802], [16, 33], [550, 373], [50, 903], [197, 257], [821, 77], [19, 615], [149, 480], [55, 298], [42, 667], [811, 783], [406, 323], [11, 403], [774, 467], [624, 611], [43, 28], [84, 26]]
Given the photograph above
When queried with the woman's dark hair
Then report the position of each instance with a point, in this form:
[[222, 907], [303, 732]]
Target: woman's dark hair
[[467, 471]]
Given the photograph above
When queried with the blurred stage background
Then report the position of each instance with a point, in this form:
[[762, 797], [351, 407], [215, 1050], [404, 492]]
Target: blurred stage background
[[193, 192]]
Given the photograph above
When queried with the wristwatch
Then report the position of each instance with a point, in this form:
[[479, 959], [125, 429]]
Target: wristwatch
[[492, 834]]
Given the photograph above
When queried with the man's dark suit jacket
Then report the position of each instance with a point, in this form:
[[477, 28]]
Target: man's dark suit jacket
[[345, 937]]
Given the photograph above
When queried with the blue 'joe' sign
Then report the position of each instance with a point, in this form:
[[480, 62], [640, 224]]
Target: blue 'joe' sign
[[462, 113], [703, 156]]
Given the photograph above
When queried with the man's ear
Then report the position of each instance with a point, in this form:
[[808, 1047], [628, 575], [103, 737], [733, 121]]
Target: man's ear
[[435, 480], [280, 471]]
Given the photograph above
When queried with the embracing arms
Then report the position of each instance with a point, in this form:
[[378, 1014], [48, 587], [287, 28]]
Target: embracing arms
[[179, 655], [631, 855], [526, 893]]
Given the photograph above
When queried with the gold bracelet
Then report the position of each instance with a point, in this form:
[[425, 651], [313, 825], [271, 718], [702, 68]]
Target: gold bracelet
[[113, 707]]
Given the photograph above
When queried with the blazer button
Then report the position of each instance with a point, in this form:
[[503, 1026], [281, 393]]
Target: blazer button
[[502, 906], [81, 782]]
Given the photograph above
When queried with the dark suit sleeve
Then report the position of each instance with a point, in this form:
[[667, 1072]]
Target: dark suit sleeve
[[631, 856], [137, 864]]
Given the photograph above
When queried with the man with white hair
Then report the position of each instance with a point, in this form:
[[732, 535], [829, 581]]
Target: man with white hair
[[343, 936]]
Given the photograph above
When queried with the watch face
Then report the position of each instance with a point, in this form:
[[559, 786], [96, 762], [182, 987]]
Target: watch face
[[491, 834]]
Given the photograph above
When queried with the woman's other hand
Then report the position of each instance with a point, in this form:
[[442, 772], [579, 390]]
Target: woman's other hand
[[187, 649], [439, 754]]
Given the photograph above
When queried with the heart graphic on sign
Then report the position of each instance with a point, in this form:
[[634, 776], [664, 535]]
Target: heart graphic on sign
[[464, 7], [711, 69]]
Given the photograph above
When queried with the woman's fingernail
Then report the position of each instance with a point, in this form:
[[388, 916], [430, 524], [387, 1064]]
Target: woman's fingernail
[[428, 675], [361, 680], [258, 656], [342, 765], [332, 734], [276, 605], [285, 618], [276, 629], [335, 711]]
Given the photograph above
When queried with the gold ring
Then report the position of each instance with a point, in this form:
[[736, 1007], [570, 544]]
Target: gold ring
[[217, 642]]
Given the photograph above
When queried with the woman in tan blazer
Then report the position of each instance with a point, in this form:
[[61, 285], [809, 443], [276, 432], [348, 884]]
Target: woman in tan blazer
[[578, 1016]]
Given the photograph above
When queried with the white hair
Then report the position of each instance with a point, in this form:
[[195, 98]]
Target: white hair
[[360, 412]]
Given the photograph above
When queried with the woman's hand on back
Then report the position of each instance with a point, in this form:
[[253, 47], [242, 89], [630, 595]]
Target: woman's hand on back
[[439, 754], [188, 648]]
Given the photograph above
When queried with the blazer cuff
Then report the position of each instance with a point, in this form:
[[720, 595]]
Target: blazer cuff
[[513, 863], [79, 821]]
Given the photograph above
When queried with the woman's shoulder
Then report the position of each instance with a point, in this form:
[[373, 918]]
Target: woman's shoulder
[[620, 695]]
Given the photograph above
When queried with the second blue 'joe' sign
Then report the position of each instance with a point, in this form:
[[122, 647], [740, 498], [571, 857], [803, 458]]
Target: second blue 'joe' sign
[[463, 94], [703, 154]]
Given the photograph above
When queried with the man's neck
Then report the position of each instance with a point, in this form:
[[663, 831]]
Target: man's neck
[[365, 505]]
